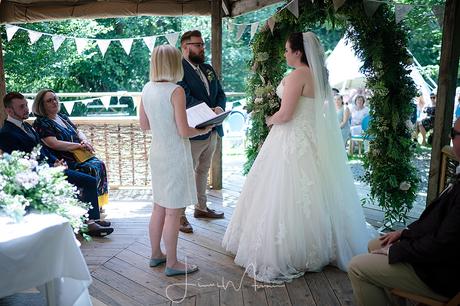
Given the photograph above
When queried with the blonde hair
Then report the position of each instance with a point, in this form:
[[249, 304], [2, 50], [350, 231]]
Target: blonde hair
[[38, 107], [166, 64]]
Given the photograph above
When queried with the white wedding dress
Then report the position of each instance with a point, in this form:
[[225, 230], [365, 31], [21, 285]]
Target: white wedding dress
[[283, 225], [292, 216]]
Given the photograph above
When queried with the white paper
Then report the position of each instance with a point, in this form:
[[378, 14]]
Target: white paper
[[200, 113]]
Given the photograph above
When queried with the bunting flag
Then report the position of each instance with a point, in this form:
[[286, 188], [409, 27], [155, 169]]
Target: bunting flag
[[10, 31], [401, 10], [172, 38], [81, 44], [150, 42], [370, 7], [69, 106], [105, 101], [230, 26], [34, 36], [127, 44], [337, 4], [29, 104], [254, 27], [103, 45], [241, 28], [438, 11], [57, 41], [293, 7], [271, 23]]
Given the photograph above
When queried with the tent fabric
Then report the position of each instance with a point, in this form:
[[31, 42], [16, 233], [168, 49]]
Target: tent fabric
[[344, 70], [34, 10]]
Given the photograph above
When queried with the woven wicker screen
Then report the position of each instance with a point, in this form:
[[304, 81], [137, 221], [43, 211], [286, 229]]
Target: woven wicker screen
[[124, 148]]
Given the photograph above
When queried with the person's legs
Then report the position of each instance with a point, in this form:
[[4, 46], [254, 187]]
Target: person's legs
[[423, 131], [202, 152], [371, 277], [157, 220], [88, 186]]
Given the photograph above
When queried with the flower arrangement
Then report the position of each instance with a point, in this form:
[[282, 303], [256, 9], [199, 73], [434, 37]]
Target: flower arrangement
[[210, 75], [26, 185]]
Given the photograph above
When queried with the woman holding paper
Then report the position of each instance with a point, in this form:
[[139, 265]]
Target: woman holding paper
[[162, 111], [62, 137]]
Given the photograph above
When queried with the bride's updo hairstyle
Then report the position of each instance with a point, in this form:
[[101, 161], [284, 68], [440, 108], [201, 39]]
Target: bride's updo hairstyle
[[296, 43]]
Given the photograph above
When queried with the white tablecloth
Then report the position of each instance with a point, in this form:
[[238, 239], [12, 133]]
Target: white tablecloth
[[42, 252]]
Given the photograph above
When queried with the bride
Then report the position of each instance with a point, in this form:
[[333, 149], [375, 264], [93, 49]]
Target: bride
[[299, 210]]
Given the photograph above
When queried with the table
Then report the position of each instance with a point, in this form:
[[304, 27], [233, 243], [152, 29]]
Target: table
[[42, 251]]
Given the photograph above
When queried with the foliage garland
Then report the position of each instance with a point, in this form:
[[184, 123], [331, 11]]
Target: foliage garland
[[381, 44]]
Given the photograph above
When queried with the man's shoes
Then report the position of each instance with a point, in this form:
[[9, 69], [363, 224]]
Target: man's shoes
[[103, 223], [185, 226], [209, 213], [95, 230]]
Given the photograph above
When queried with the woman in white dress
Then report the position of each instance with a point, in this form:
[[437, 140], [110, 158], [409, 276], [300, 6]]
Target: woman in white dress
[[162, 111], [299, 209]]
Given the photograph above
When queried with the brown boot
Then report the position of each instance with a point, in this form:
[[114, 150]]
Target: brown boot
[[185, 226]]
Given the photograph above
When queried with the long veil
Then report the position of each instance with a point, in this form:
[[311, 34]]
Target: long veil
[[339, 193]]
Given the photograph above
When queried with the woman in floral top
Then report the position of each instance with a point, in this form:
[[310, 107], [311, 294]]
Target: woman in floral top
[[62, 136]]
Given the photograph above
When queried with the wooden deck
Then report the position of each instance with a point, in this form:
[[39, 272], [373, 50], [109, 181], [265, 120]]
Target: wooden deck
[[121, 275]]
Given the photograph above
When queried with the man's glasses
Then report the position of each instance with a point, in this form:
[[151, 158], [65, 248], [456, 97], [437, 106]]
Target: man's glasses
[[199, 45], [453, 133], [433, 97]]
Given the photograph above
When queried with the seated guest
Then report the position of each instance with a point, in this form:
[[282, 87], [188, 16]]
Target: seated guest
[[357, 115], [427, 123], [59, 134], [343, 116], [421, 259], [18, 135]]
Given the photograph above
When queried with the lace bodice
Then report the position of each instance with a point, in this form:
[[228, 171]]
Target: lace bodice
[[305, 111]]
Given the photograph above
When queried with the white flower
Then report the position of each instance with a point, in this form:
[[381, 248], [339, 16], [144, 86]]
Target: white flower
[[258, 100], [404, 186], [27, 179]]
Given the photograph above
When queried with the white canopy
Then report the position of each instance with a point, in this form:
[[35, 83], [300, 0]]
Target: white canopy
[[344, 65]]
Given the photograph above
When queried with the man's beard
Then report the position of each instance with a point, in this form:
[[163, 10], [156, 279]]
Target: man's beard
[[196, 58]]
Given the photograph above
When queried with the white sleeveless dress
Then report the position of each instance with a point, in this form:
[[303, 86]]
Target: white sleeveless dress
[[281, 226], [173, 178]]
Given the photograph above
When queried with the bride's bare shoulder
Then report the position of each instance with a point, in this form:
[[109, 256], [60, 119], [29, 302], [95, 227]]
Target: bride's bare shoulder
[[300, 75]]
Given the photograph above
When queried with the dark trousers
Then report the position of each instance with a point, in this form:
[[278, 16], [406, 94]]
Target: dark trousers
[[88, 190]]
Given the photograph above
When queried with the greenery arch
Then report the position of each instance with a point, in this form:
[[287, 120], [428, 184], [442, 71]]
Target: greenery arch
[[381, 44]]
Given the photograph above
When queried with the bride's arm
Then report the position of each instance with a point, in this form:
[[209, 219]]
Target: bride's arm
[[293, 86]]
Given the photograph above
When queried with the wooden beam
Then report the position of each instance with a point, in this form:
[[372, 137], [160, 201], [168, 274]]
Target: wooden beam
[[2, 83], [448, 67], [245, 6], [216, 53]]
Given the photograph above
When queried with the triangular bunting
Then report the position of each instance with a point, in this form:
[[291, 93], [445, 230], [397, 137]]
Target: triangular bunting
[[126, 44], [81, 44], [370, 7], [271, 23], [172, 38], [69, 106], [150, 42], [401, 10], [230, 25], [254, 27], [10, 31], [438, 11], [87, 101], [103, 45], [34, 36], [241, 28], [105, 101], [57, 41], [337, 4], [293, 7]]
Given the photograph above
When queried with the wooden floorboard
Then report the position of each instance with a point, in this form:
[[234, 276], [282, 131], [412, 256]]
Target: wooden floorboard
[[122, 276]]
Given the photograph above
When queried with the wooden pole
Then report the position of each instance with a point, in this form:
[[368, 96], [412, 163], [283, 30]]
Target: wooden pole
[[2, 84], [216, 53], [448, 67]]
